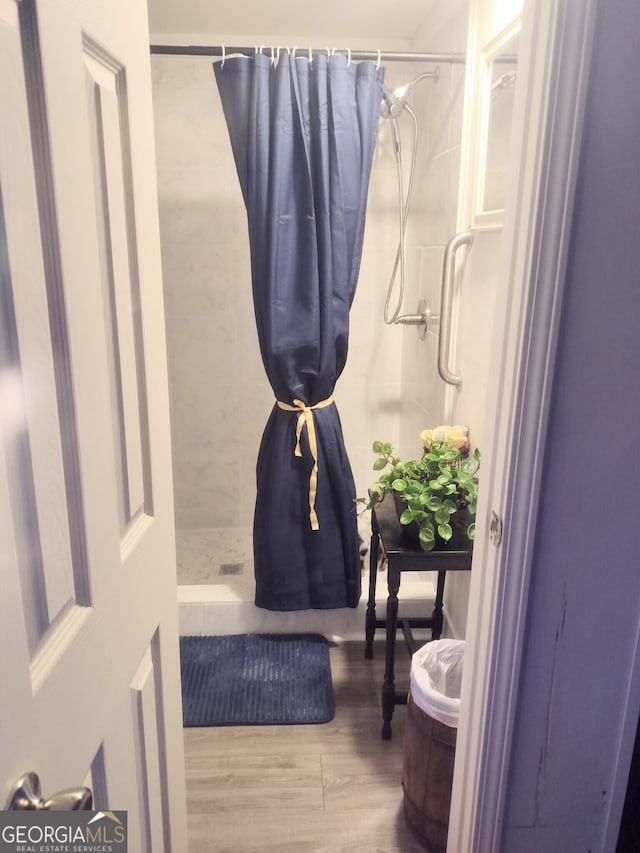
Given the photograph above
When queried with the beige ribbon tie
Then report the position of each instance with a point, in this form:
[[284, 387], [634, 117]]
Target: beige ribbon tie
[[305, 418]]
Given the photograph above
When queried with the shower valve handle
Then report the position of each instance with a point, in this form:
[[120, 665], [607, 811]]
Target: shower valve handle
[[423, 319]]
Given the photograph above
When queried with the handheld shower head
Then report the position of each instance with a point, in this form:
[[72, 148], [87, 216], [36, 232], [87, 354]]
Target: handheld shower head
[[394, 102]]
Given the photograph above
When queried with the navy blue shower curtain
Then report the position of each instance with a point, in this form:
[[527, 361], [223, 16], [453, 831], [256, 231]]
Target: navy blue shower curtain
[[303, 137]]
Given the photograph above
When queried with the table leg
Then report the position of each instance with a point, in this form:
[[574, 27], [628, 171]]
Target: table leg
[[437, 618], [370, 619], [388, 687]]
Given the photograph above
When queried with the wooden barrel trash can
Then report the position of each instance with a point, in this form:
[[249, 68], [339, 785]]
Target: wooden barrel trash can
[[430, 740]]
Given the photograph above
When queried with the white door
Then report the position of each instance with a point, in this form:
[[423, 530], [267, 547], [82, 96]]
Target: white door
[[88, 617]]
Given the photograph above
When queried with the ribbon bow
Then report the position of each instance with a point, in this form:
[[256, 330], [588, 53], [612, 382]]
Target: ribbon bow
[[305, 417]]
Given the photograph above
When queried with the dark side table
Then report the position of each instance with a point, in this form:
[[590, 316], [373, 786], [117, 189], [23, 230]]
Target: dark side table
[[386, 533]]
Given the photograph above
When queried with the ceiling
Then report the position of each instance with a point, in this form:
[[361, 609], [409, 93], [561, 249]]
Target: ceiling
[[376, 22]]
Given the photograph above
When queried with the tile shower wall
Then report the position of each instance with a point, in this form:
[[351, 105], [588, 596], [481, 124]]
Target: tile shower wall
[[433, 212], [219, 396], [213, 381], [433, 222]]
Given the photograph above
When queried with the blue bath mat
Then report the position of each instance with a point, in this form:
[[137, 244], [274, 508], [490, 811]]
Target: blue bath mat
[[256, 679]]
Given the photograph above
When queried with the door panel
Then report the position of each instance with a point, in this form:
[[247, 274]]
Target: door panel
[[105, 83], [111, 156], [88, 615]]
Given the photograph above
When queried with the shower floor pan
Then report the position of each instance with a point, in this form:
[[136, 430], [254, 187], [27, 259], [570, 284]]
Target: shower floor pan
[[216, 590], [219, 609]]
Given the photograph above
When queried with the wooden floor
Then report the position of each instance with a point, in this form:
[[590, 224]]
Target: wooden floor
[[294, 789]]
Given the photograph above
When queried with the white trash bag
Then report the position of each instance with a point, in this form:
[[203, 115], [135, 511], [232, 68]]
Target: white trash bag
[[436, 679]]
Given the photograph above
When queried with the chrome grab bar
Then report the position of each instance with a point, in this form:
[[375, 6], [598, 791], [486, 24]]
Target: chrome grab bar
[[444, 340]]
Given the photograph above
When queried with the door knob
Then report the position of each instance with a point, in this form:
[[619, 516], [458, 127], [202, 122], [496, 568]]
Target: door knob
[[27, 796]]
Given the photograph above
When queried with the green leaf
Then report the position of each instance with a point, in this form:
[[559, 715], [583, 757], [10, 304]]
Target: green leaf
[[471, 530], [433, 502], [442, 516], [435, 485], [377, 447], [379, 464], [399, 485], [445, 531], [427, 538]]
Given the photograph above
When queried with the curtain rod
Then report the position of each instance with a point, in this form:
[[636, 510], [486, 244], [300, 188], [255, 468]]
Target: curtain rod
[[358, 55]]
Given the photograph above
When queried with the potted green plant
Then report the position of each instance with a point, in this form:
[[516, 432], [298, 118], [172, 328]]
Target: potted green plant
[[432, 493]]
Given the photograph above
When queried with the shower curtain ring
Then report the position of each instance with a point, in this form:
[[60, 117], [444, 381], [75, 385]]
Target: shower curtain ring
[[379, 58], [348, 57], [224, 56], [293, 52], [310, 57]]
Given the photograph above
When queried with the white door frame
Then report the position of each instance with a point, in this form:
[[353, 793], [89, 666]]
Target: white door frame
[[553, 75]]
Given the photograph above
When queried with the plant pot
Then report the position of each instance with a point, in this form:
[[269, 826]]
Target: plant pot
[[459, 521]]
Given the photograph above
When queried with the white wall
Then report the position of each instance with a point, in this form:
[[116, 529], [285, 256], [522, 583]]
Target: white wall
[[217, 391], [433, 223], [583, 620], [434, 211]]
